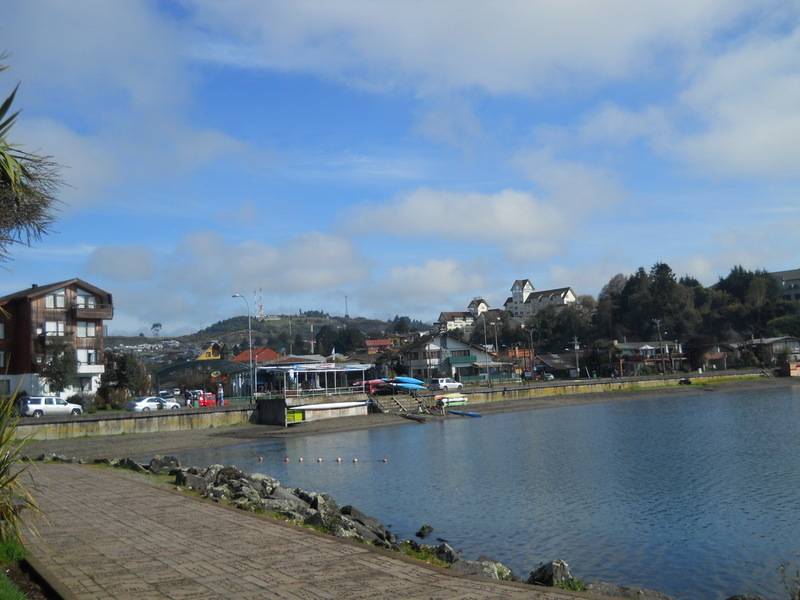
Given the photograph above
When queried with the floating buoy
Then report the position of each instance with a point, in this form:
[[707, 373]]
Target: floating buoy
[[355, 460], [286, 459], [260, 458], [339, 459], [385, 460], [319, 460], [300, 460]]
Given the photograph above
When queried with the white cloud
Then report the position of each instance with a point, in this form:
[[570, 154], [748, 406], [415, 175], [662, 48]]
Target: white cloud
[[123, 264], [502, 48], [515, 220]]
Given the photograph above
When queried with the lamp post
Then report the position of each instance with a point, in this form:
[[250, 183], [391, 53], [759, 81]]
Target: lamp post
[[660, 345], [533, 354], [486, 350], [250, 346]]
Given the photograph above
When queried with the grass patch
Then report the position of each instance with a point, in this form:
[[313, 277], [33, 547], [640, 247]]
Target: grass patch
[[8, 591], [11, 552]]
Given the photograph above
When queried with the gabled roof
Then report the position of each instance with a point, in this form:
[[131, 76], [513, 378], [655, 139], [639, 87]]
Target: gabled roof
[[260, 355], [40, 290], [786, 275], [453, 315], [520, 284], [548, 294]]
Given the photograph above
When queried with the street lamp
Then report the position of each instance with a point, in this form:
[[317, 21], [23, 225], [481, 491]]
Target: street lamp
[[250, 346], [486, 350], [533, 354]]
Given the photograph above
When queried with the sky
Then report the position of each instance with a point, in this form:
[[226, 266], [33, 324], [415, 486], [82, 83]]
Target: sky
[[378, 158]]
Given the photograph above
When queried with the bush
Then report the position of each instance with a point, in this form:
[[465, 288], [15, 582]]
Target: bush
[[14, 497], [111, 400]]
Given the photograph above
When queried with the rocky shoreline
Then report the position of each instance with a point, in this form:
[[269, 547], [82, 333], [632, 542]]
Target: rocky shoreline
[[255, 492]]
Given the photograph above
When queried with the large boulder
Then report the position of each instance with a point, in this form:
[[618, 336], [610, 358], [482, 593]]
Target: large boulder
[[484, 567], [551, 574], [601, 588], [164, 465]]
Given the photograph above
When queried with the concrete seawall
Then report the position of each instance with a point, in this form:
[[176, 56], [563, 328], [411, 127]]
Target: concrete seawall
[[501, 393], [99, 424]]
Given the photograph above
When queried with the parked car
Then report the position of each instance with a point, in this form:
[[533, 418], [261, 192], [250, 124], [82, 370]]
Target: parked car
[[166, 395], [445, 383], [47, 406], [209, 399], [151, 403]]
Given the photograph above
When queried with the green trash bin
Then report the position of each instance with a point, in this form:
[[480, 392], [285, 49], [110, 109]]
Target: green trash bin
[[195, 404]]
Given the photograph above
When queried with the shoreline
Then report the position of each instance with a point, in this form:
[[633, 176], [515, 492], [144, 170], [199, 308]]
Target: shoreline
[[152, 444]]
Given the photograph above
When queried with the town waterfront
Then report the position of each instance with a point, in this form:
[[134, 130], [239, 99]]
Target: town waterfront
[[693, 495]]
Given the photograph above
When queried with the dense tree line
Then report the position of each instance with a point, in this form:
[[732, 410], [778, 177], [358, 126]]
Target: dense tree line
[[654, 304]]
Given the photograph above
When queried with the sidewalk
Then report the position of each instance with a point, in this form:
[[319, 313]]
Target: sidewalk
[[110, 536]]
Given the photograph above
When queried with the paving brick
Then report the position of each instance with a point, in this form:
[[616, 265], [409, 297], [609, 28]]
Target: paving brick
[[111, 536]]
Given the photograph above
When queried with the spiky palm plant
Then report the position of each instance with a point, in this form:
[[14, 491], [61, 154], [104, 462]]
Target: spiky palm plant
[[14, 496]]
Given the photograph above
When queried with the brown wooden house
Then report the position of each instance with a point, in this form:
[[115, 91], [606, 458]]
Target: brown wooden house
[[71, 312]]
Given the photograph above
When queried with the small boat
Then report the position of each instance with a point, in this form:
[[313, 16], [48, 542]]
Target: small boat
[[451, 399], [408, 380], [462, 413]]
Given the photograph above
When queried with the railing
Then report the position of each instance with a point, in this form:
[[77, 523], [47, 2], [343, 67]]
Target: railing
[[98, 311]]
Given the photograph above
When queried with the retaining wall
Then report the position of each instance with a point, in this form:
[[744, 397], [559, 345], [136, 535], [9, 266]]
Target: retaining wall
[[55, 428]]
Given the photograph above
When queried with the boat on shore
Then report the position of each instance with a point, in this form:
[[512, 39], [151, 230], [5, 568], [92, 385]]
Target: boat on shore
[[450, 400]]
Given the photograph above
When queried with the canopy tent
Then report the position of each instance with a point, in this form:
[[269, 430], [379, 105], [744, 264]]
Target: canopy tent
[[310, 379]]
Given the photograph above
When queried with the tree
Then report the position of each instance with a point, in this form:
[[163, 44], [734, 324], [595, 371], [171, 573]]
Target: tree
[[60, 367], [28, 187]]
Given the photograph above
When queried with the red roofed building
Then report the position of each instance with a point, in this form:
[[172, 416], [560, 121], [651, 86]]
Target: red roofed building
[[260, 356], [377, 346]]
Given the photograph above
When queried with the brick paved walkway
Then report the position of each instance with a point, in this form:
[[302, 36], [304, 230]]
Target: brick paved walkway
[[110, 536]]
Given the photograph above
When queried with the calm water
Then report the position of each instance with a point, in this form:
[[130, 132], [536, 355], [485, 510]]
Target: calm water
[[695, 496]]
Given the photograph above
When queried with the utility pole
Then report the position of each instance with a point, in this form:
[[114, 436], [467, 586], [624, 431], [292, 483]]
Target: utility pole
[[660, 345]]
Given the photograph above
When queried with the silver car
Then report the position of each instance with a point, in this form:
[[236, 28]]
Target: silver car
[[151, 403], [47, 406]]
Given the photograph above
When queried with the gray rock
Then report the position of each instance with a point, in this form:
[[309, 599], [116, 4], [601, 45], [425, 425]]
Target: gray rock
[[556, 572], [617, 591], [483, 567], [191, 481], [446, 554], [286, 495], [163, 465]]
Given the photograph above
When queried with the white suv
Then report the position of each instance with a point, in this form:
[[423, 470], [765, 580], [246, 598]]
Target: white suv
[[47, 406], [445, 383]]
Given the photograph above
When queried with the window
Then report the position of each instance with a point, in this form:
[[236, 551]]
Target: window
[[86, 329], [2, 359], [2, 331], [86, 300], [56, 299], [55, 328], [87, 356], [459, 353]]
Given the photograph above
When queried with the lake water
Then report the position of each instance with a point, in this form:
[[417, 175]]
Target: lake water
[[696, 496]]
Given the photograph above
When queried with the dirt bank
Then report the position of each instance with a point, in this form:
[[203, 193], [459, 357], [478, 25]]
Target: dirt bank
[[151, 444]]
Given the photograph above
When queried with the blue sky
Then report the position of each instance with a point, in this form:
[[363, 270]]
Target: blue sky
[[401, 157]]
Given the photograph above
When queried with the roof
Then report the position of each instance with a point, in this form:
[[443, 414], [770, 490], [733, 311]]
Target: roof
[[260, 355], [786, 275], [453, 315], [40, 290], [558, 292], [378, 343]]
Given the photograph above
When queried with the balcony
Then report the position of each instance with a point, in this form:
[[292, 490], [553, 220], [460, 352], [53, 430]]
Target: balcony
[[98, 311], [91, 369]]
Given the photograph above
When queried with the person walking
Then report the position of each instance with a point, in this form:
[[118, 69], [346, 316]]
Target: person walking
[[220, 395], [187, 396]]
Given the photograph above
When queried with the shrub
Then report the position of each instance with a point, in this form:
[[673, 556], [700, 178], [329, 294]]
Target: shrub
[[13, 495]]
